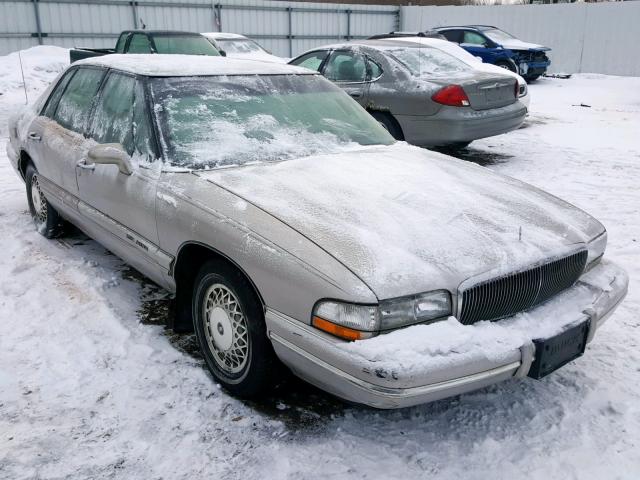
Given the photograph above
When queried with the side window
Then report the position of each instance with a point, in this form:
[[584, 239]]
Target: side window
[[312, 60], [73, 109], [54, 98], [120, 115], [375, 70], [139, 44], [474, 38], [346, 67], [453, 35], [122, 39]]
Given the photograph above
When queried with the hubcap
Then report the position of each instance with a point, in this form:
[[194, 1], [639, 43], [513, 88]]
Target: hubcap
[[38, 200], [225, 329]]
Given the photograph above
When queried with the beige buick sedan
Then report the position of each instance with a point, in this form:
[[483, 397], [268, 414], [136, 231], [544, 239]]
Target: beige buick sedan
[[294, 230]]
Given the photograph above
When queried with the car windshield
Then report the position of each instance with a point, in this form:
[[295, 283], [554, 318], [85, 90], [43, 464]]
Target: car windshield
[[184, 45], [498, 35], [239, 46], [217, 121], [426, 61]]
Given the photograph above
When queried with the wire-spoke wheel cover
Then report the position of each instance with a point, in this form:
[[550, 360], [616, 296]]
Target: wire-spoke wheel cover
[[225, 329], [38, 200]]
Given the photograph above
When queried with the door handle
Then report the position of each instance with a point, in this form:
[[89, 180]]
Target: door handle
[[83, 164], [34, 136], [356, 95]]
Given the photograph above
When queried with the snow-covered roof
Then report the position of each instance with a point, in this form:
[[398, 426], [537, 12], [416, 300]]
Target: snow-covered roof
[[221, 35], [190, 65]]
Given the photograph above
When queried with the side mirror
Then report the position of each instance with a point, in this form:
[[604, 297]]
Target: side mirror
[[222, 53], [110, 154]]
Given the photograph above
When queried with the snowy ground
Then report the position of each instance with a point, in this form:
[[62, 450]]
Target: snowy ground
[[92, 386]]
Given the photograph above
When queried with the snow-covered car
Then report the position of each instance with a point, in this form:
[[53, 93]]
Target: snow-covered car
[[471, 60], [293, 228], [238, 46], [421, 94]]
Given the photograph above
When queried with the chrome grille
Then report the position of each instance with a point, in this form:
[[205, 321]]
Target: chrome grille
[[501, 297]]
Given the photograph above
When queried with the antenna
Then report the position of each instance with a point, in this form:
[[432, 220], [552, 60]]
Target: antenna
[[24, 84]]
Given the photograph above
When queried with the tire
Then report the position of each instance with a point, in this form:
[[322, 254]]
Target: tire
[[458, 146], [47, 220], [389, 123], [507, 64], [531, 78], [228, 319]]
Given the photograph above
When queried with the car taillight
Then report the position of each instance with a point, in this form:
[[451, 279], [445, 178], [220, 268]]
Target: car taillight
[[516, 90], [452, 95]]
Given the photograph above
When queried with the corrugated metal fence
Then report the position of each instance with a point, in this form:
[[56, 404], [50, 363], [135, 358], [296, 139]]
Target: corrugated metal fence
[[585, 37], [286, 28]]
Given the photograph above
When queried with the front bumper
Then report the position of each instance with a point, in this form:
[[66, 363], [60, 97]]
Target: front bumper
[[460, 125], [424, 363]]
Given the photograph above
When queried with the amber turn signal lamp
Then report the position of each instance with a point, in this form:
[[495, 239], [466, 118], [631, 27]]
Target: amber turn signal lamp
[[337, 330]]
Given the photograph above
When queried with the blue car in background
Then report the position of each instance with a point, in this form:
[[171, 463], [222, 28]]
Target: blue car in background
[[500, 48]]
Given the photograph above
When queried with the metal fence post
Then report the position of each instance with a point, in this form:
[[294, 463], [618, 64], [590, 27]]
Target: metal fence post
[[219, 9], [36, 11], [348, 25], [290, 36], [134, 11]]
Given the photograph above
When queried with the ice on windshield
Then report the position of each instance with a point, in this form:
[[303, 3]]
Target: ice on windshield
[[211, 122], [498, 35], [239, 46], [425, 61]]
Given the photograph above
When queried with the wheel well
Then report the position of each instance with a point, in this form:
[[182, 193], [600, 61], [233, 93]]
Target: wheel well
[[390, 116], [23, 161], [190, 258]]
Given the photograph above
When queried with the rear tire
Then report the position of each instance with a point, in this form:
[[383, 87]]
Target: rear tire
[[229, 323], [389, 123], [48, 221], [507, 64]]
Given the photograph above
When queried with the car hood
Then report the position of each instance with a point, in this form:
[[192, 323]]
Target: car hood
[[407, 220], [516, 44]]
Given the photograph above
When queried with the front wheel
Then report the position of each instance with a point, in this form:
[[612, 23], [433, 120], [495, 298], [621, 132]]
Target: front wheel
[[507, 64], [47, 220], [230, 328], [531, 78]]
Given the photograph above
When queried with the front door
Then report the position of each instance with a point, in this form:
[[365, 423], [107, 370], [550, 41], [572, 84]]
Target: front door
[[348, 69], [122, 206], [57, 137]]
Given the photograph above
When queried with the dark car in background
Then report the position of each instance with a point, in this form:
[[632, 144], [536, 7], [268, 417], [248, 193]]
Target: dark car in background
[[151, 41], [500, 48]]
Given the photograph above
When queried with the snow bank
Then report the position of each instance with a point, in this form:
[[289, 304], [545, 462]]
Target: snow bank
[[40, 64]]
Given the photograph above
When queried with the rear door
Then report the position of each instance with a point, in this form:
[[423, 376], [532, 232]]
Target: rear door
[[123, 206], [348, 70]]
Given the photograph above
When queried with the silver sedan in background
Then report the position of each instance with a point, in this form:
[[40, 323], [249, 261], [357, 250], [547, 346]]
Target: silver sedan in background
[[419, 93]]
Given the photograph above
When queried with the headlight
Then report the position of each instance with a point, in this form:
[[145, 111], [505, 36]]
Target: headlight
[[356, 322], [596, 248]]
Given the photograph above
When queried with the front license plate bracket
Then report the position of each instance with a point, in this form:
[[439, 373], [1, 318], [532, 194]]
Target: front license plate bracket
[[555, 352]]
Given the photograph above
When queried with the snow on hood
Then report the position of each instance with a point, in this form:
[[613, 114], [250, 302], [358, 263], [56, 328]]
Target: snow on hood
[[407, 220], [515, 44]]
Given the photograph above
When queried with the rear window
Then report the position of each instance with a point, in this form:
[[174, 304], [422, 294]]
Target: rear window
[[426, 61], [239, 46], [184, 45], [75, 104]]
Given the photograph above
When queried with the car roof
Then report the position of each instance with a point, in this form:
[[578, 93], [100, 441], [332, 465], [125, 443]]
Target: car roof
[[223, 35], [161, 32], [476, 27], [157, 65], [375, 44]]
